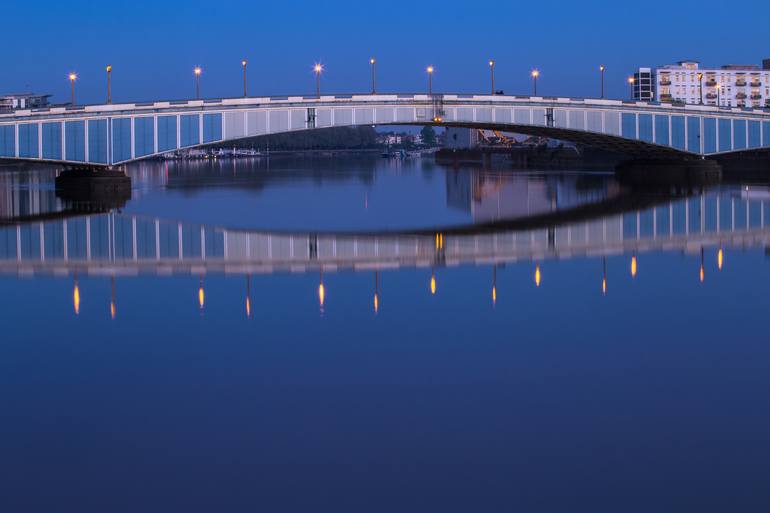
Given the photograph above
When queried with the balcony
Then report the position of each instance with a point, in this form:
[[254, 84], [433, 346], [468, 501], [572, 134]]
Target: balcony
[[756, 96], [740, 96], [665, 82], [665, 97], [711, 83], [740, 83], [711, 96], [756, 83]]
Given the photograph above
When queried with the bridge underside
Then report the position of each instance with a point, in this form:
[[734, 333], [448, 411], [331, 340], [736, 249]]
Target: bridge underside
[[631, 148], [616, 144]]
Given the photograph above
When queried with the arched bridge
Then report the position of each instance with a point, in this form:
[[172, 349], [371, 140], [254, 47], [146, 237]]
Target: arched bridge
[[105, 135]]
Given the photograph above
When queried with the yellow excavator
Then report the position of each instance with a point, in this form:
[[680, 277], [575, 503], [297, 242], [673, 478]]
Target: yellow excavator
[[502, 139]]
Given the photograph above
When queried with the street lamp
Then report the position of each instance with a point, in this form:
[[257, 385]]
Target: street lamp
[[73, 77], [535, 74], [109, 83], [492, 74], [719, 99], [601, 70], [318, 68], [430, 79], [700, 87], [197, 71], [244, 62], [631, 81], [373, 64]]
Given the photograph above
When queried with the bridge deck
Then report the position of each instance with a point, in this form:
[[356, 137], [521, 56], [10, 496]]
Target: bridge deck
[[120, 133]]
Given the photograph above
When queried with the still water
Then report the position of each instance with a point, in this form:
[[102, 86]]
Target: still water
[[370, 335]]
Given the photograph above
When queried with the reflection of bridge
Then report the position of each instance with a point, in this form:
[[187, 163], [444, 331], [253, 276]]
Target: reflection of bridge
[[116, 245], [119, 133]]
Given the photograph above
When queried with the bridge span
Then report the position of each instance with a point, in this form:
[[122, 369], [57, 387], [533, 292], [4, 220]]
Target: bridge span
[[114, 134]]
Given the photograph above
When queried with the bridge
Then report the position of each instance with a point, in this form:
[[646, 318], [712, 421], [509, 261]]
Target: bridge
[[115, 134], [113, 244]]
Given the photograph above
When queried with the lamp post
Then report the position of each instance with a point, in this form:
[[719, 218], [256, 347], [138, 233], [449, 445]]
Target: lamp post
[[601, 71], [430, 79], [719, 96], [318, 68], [373, 64], [109, 83], [197, 71], [535, 74], [72, 78], [631, 81], [244, 62], [700, 87], [492, 74]]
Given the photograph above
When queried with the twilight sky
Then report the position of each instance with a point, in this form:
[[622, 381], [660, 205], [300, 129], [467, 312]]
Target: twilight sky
[[153, 46]]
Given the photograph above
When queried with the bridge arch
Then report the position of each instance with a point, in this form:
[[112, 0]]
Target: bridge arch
[[104, 135]]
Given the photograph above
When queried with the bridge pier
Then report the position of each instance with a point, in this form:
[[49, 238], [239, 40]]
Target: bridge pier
[[664, 172], [93, 188]]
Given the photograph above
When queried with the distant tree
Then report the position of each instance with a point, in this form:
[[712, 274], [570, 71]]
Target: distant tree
[[428, 135], [362, 137]]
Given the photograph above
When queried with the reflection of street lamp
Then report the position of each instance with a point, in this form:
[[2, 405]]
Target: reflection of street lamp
[[373, 64], [430, 79], [113, 301], [702, 273], [537, 276], [494, 285], [197, 71], [318, 68], [72, 78], [321, 292], [109, 84], [76, 296], [535, 74], [631, 81], [601, 70], [492, 73], [376, 291], [604, 276], [244, 62], [248, 296]]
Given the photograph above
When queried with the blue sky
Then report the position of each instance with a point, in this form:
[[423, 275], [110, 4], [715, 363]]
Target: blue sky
[[154, 46]]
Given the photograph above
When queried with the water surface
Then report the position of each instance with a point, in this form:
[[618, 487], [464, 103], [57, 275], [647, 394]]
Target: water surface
[[370, 335]]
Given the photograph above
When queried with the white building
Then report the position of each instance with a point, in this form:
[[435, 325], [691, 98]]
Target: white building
[[23, 101], [728, 86]]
